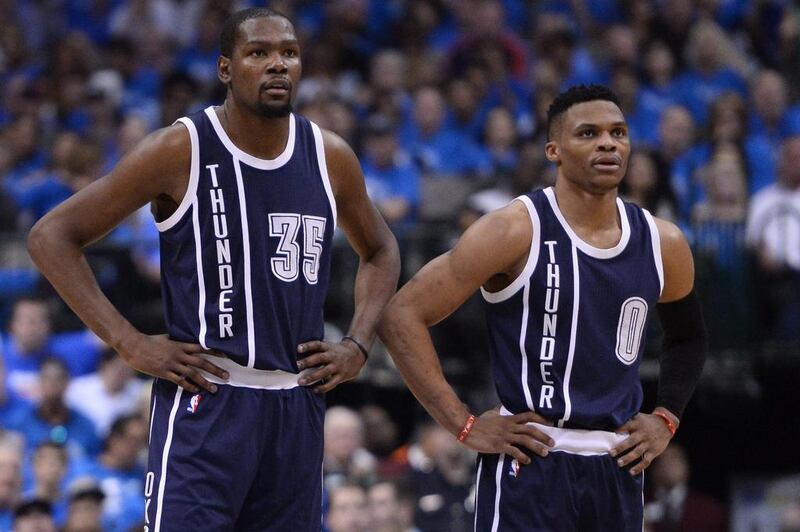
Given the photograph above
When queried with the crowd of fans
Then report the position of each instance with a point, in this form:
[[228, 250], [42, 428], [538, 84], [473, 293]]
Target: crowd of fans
[[444, 102]]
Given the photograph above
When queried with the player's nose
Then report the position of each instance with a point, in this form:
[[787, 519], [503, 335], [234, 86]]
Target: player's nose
[[606, 142], [276, 64]]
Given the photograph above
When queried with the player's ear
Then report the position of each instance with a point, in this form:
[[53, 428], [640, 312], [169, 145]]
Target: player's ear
[[224, 69], [552, 152]]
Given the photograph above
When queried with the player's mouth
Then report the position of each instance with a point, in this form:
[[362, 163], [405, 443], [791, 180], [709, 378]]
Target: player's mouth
[[607, 163], [277, 87]]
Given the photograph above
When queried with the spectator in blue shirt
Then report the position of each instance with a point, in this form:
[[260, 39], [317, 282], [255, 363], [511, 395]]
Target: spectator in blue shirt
[[30, 341], [711, 57], [658, 93], [438, 150], [500, 140], [12, 407], [391, 178], [119, 473], [727, 126], [49, 470], [52, 420]]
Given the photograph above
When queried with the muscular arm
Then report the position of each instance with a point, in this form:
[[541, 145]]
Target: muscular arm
[[56, 242], [378, 269], [491, 251], [685, 339], [155, 170]]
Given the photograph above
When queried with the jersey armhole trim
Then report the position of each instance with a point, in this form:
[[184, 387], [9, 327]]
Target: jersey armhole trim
[[323, 169], [530, 265], [194, 176], [655, 240]]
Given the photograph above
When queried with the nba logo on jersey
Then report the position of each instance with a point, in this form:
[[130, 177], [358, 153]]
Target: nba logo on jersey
[[194, 402], [514, 471]]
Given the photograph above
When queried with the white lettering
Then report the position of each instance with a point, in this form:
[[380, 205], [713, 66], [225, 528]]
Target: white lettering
[[551, 300], [548, 347], [220, 226], [552, 275], [225, 326], [223, 251], [225, 276], [549, 328], [543, 369], [546, 395], [217, 200], [224, 300], [551, 244], [213, 169]]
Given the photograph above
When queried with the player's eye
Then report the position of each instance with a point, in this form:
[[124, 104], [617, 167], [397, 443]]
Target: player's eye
[[586, 133], [258, 53], [290, 53], [619, 132]]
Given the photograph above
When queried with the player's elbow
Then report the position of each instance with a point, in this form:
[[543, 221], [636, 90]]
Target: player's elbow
[[37, 241]]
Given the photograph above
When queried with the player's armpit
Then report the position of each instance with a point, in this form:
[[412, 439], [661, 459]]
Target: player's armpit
[[676, 256]]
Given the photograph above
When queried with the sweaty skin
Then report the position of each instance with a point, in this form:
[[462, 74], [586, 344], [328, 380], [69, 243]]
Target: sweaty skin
[[590, 149], [156, 171]]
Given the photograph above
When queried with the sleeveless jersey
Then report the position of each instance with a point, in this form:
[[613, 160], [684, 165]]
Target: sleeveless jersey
[[567, 335], [245, 258]]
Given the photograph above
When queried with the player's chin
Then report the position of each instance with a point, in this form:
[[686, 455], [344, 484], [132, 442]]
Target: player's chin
[[605, 181], [272, 108]]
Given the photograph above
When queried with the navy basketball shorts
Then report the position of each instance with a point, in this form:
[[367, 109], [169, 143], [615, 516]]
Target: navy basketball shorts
[[577, 487], [244, 458]]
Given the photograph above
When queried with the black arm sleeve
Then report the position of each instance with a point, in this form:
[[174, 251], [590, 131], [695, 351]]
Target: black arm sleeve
[[684, 351]]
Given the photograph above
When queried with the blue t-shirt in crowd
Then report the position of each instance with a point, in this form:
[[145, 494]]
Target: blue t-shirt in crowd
[[399, 180], [446, 152], [697, 91], [123, 506], [78, 434]]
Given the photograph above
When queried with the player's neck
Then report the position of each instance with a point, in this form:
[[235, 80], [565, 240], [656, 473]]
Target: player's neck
[[586, 211], [260, 136]]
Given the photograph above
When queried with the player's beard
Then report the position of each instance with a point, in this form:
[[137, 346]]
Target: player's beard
[[269, 111]]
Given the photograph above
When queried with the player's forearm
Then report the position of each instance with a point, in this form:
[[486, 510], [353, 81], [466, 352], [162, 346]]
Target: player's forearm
[[409, 343], [376, 282], [63, 263]]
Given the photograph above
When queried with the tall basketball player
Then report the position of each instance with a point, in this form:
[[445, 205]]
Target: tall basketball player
[[246, 197], [569, 275]]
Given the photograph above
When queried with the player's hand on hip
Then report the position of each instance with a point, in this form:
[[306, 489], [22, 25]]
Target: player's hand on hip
[[177, 362], [334, 364], [493, 433], [648, 436]]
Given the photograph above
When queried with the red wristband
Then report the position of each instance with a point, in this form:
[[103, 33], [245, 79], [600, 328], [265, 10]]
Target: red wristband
[[467, 428], [671, 426]]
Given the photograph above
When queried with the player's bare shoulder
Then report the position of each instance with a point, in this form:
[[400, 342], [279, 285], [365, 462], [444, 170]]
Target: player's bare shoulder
[[498, 243], [344, 169], [677, 260]]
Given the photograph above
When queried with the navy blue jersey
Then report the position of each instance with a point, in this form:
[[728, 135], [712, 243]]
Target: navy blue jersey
[[245, 258], [567, 335]]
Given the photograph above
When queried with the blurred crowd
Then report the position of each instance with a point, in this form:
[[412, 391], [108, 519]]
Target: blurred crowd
[[445, 103]]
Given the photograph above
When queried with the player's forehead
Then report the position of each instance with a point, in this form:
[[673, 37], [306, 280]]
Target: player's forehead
[[601, 113], [267, 30]]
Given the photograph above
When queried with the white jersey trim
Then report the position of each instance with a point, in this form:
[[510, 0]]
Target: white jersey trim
[[248, 287], [498, 479], [201, 283], [477, 491], [194, 178], [162, 482], [576, 305], [655, 240], [530, 265], [598, 253], [523, 337], [578, 441], [251, 160], [323, 169]]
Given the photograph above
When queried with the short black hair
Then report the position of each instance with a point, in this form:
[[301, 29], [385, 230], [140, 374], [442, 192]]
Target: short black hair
[[575, 95], [231, 26]]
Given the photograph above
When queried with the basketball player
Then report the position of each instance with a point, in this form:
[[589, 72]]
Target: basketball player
[[569, 275], [246, 197]]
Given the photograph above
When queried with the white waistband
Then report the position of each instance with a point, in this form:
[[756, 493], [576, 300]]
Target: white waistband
[[578, 441], [245, 377]]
